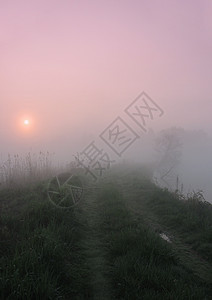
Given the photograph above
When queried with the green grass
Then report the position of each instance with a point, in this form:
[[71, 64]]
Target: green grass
[[102, 249], [191, 218], [142, 264], [40, 253]]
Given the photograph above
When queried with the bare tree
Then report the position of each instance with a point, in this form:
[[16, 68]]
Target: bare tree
[[169, 148]]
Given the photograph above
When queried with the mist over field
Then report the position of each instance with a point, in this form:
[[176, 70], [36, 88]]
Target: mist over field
[[72, 67], [105, 149]]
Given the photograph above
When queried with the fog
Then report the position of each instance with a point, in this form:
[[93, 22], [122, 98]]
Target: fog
[[72, 67]]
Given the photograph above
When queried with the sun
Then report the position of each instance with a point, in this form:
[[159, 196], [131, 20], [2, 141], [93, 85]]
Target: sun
[[26, 122], [25, 125]]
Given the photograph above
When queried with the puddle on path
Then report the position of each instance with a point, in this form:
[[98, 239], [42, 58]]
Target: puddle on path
[[165, 237]]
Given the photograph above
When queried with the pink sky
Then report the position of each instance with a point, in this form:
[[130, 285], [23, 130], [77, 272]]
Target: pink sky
[[72, 66]]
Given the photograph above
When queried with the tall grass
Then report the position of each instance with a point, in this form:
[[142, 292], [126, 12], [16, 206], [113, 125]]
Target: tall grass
[[40, 251], [48, 253], [142, 265], [190, 217], [18, 170]]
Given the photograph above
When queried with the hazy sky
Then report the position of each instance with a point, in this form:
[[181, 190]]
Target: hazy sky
[[71, 67]]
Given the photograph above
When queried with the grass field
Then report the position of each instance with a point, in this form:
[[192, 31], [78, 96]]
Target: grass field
[[108, 246]]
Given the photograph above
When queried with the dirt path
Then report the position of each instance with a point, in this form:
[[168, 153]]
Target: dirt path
[[94, 251], [94, 248]]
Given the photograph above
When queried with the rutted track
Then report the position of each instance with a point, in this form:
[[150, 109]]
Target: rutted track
[[94, 250], [104, 222], [106, 247]]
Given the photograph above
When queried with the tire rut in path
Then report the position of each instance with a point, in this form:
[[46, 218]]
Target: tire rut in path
[[95, 252]]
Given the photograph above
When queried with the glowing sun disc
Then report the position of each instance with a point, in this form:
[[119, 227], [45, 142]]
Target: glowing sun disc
[[26, 122]]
